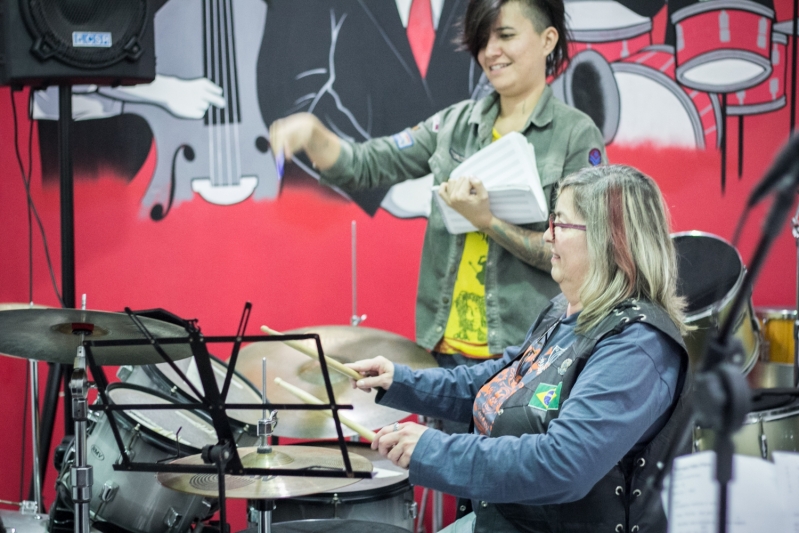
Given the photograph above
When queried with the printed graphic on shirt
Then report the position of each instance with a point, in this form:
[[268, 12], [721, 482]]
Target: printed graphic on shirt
[[436, 122], [403, 139], [491, 396], [595, 157], [543, 361], [546, 397], [467, 328]]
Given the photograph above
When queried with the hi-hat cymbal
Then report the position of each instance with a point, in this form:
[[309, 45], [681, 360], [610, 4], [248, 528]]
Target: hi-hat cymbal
[[49, 334], [345, 344], [269, 487]]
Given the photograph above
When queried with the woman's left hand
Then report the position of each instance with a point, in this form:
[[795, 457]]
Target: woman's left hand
[[398, 444], [469, 197]]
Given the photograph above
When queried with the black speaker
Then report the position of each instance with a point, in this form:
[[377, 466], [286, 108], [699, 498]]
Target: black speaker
[[73, 42]]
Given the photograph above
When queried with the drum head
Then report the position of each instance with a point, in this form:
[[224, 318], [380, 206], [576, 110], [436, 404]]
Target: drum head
[[708, 268], [241, 390], [334, 526], [388, 476], [162, 425]]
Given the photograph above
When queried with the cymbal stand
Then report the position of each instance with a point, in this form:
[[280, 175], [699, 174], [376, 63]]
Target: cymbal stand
[[260, 511], [37, 476], [81, 472], [355, 319], [795, 233]]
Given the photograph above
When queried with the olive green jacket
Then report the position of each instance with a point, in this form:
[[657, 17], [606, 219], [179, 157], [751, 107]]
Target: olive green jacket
[[565, 140]]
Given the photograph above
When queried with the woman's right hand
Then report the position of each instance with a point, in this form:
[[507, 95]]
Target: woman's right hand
[[303, 131], [377, 372]]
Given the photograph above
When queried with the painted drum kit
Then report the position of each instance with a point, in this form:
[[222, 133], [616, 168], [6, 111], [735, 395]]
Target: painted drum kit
[[767, 336], [162, 424]]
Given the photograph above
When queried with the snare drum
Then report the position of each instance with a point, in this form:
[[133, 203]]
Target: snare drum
[[723, 46], [655, 108], [608, 28], [763, 432], [711, 273], [385, 499], [135, 500], [162, 378]]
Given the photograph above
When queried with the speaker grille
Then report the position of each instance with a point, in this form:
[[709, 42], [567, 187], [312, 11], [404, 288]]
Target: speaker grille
[[54, 21]]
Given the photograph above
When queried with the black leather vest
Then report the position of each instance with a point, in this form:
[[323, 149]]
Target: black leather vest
[[621, 501]]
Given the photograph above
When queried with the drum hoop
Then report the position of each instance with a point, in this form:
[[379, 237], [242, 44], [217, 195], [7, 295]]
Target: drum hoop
[[147, 433], [716, 5], [778, 37], [715, 55], [675, 88], [727, 298], [756, 109], [773, 415], [611, 35], [775, 313], [363, 496]]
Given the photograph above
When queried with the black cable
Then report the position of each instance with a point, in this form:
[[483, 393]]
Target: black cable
[[31, 204]]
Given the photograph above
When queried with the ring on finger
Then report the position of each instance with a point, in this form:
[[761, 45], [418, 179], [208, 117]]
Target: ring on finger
[[396, 426]]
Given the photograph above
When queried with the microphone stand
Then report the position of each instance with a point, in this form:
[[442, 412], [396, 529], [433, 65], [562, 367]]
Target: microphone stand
[[722, 393]]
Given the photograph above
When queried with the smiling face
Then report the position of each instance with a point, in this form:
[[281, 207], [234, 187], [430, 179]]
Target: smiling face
[[569, 249], [515, 58]]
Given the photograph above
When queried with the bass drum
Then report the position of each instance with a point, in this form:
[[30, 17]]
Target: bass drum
[[135, 501], [711, 273], [164, 379], [386, 499]]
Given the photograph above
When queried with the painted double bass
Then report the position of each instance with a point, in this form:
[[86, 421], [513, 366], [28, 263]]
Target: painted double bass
[[225, 156]]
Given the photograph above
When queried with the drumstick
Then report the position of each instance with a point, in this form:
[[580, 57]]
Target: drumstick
[[310, 398], [332, 363]]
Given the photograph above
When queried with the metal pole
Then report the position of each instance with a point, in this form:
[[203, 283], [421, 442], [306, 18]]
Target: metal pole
[[37, 479]]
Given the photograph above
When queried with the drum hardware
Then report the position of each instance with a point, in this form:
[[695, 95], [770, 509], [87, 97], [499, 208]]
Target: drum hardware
[[355, 319], [345, 344], [795, 233]]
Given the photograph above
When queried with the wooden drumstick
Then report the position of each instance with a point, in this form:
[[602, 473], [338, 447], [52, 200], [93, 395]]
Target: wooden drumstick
[[364, 432], [332, 363]]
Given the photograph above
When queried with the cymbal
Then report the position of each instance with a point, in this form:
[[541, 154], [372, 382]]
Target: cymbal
[[12, 306], [47, 334], [269, 487], [345, 344]]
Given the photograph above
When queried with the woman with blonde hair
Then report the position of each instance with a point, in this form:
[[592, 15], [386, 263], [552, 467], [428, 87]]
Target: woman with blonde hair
[[569, 426]]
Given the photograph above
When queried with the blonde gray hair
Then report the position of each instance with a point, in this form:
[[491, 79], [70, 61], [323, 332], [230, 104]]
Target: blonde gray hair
[[631, 253]]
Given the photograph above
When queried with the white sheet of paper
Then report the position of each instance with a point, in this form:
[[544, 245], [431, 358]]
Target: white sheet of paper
[[787, 466], [754, 502]]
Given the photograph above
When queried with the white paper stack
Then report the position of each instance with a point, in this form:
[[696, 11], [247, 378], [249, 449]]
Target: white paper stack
[[761, 497], [508, 171]]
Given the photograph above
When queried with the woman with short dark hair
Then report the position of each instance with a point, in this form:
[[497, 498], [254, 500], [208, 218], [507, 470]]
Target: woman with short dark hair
[[568, 427], [475, 290]]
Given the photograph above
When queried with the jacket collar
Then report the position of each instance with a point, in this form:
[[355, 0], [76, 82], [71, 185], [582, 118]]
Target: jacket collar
[[485, 113]]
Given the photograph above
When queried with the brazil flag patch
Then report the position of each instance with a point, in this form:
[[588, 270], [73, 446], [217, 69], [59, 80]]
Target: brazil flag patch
[[546, 397]]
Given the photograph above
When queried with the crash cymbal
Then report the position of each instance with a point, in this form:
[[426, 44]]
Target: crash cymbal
[[345, 344], [13, 306], [269, 487], [49, 335]]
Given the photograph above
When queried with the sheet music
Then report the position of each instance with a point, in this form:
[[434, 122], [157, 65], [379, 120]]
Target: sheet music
[[787, 466], [754, 502], [508, 171]]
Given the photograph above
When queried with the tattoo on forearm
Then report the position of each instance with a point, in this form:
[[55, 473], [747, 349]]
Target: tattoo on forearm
[[525, 244]]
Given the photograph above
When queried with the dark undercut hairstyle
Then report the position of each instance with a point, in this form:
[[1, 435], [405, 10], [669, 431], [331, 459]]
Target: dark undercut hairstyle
[[482, 14]]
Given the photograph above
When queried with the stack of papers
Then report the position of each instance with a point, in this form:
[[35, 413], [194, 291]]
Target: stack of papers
[[761, 497], [508, 172]]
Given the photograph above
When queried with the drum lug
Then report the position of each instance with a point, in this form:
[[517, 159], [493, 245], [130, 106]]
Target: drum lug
[[335, 501], [124, 372], [108, 491], [696, 440], [413, 510], [172, 518], [763, 439]]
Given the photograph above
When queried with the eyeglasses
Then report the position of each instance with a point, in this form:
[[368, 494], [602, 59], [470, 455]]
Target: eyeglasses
[[553, 225]]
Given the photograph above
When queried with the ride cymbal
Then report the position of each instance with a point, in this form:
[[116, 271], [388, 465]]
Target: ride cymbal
[[53, 335], [269, 487], [345, 344]]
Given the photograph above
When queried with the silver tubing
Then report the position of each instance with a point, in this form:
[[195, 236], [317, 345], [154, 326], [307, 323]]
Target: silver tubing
[[37, 478], [437, 510], [81, 474], [355, 319]]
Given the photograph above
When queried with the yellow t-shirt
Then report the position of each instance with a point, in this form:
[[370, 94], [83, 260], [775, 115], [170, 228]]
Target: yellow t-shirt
[[467, 329]]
